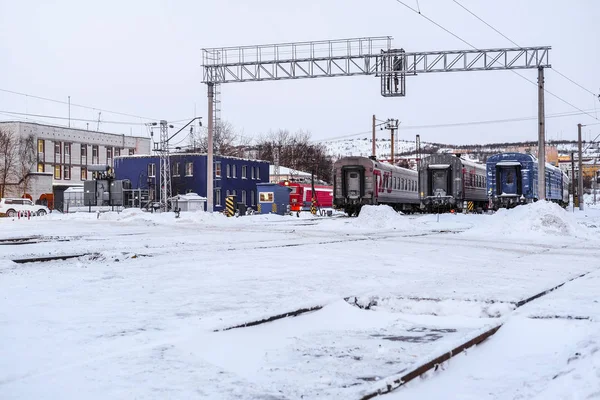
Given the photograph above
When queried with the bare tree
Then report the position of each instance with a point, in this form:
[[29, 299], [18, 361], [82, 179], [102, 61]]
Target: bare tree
[[226, 141], [296, 151], [17, 155]]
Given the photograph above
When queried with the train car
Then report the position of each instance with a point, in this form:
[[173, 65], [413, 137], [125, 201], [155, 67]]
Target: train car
[[448, 182], [513, 180], [301, 195], [362, 181]]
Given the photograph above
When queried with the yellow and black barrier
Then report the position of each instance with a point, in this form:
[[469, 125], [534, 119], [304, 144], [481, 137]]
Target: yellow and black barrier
[[230, 206], [313, 206], [470, 206]]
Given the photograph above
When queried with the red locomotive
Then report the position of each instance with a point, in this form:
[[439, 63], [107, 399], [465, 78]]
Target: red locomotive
[[301, 195]]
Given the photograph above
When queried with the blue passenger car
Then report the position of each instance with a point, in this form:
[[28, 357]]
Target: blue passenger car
[[512, 179]]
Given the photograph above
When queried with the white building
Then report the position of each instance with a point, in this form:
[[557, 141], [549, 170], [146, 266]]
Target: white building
[[63, 154], [286, 174]]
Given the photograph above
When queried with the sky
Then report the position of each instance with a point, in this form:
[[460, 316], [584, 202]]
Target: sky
[[143, 58]]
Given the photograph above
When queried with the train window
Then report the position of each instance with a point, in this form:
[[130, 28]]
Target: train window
[[510, 177], [354, 175]]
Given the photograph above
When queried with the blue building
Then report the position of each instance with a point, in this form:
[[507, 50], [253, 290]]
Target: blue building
[[232, 176], [273, 198]]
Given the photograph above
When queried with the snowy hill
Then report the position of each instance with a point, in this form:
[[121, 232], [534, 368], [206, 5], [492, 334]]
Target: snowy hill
[[403, 148]]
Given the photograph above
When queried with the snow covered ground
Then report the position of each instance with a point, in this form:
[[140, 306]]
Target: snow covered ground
[[140, 314]]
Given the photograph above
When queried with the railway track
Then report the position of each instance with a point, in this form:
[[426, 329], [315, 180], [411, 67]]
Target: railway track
[[435, 363]]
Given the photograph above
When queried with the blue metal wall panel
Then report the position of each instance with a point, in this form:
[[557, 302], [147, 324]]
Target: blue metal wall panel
[[135, 169]]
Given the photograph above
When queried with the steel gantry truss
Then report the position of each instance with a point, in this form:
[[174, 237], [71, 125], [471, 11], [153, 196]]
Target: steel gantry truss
[[356, 57]]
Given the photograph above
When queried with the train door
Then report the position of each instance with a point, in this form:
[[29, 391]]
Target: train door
[[509, 180], [353, 186], [440, 181]]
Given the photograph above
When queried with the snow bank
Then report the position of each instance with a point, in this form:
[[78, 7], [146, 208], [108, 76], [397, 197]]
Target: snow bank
[[540, 218], [381, 217]]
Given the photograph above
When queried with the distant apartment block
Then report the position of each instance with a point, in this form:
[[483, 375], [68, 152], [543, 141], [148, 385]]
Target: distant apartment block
[[65, 153]]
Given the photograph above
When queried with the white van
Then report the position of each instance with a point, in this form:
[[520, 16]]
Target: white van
[[12, 206]]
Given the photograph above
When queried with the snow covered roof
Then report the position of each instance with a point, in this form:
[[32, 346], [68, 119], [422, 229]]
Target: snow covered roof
[[287, 171], [188, 197]]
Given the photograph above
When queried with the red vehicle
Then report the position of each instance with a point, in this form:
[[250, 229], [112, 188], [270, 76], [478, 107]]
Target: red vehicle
[[301, 195]]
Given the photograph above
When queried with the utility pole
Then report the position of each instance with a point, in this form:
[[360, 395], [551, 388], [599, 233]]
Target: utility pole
[[580, 165], [392, 124], [69, 111], [209, 159], [541, 138], [418, 159], [573, 178], [374, 148]]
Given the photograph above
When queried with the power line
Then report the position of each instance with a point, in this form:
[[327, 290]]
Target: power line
[[72, 119], [513, 71], [466, 123], [75, 105], [555, 70], [516, 44]]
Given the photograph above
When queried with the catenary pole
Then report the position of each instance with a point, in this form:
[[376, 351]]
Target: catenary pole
[[373, 148], [209, 159], [541, 138], [580, 165], [573, 178]]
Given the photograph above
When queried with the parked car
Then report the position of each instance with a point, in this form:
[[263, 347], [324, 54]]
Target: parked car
[[12, 206]]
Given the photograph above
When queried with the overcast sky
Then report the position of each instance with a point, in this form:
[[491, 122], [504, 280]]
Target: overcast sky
[[144, 58]]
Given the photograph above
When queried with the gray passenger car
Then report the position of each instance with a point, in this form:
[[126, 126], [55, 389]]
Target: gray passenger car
[[447, 182]]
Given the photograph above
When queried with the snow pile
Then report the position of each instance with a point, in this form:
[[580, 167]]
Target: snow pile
[[540, 218], [381, 216], [448, 307]]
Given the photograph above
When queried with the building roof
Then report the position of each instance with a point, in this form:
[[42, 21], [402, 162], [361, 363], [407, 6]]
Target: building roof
[[188, 197], [287, 171], [125, 156], [73, 129]]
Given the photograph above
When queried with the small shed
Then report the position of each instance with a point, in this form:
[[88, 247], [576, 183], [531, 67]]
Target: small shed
[[273, 198], [188, 202]]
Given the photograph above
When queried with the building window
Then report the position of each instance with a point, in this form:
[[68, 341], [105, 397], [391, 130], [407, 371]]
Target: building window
[[265, 197], [257, 173], [95, 155], [83, 173], [189, 169], [151, 170], [176, 169], [67, 159], [40, 146], [244, 196], [40, 167], [131, 152], [234, 171], [117, 152], [228, 168], [243, 172], [83, 154], [251, 172], [57, 146], [252, 199], [109, 153], [57, 172], [218, 169], [217, 197], [67, 172]]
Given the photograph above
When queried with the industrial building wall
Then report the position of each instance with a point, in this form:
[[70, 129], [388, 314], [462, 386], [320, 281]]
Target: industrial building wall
[[231, 175]]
